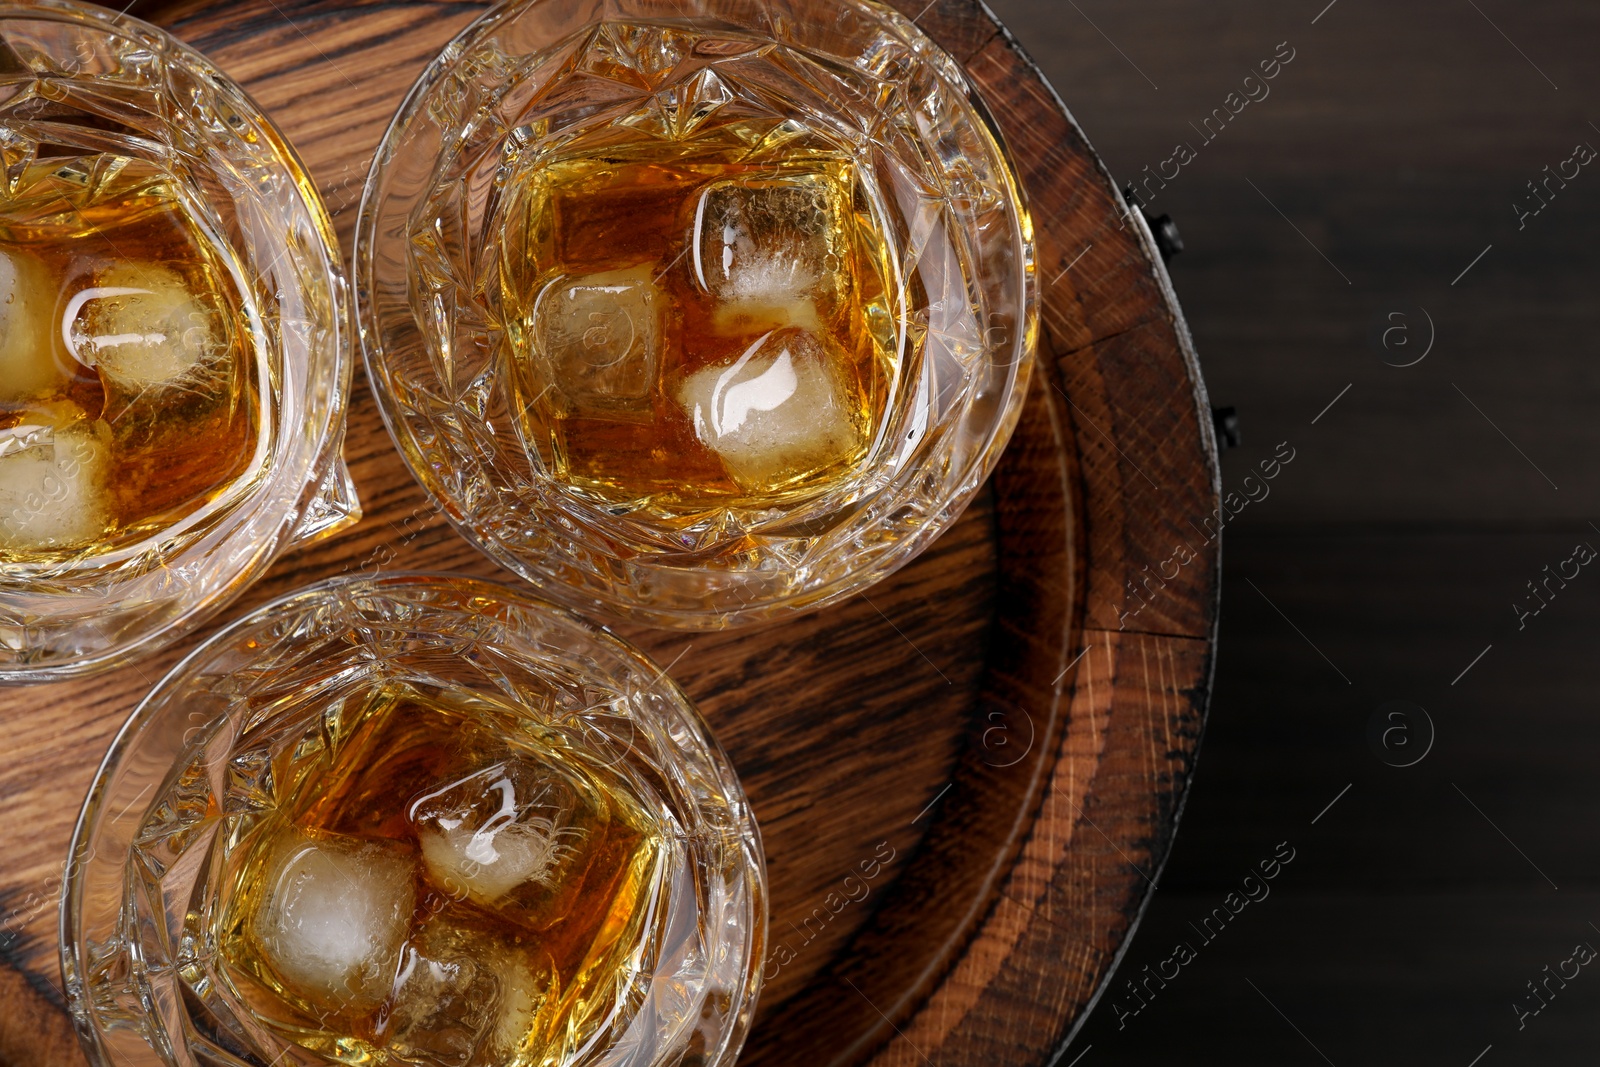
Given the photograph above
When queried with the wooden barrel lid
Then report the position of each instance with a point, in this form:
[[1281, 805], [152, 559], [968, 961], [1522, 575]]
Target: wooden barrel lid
[[969, 777]]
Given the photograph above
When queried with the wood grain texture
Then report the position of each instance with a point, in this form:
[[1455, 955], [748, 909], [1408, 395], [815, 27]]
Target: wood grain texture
[[978, 722]]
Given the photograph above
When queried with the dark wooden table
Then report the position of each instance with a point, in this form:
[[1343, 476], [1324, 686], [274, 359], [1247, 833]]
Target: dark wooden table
[[1389, 553]]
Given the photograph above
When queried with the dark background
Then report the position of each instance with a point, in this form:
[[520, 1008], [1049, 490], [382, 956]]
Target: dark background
[[1391, 550]]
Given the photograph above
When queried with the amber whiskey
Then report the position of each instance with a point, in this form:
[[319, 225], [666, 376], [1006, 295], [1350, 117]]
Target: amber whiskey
[[130, 396], [686, 329], [435, 882]]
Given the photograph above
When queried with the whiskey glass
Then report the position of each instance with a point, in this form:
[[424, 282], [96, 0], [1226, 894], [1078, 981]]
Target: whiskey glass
[[267, 733], [697, 312], [174, 343]]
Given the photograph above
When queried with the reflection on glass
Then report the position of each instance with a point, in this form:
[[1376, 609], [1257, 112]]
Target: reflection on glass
[[697, 312], [174, 348], [417, 821]]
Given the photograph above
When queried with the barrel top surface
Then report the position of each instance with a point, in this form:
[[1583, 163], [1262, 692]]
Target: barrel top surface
[[1002, 732]]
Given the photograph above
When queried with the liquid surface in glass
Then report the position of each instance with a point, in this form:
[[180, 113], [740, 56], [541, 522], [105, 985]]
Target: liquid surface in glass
[[129, 396], [690, 329], [435, 882]]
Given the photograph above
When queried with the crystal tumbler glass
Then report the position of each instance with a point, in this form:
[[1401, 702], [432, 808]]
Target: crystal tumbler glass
[[697, 312], [174, 342], [414, 820]]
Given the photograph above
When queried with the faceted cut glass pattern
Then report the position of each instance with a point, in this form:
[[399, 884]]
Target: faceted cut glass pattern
[[249, 887], [174, 350], [781, 166]]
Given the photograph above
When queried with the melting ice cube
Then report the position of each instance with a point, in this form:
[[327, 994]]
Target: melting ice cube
[[768, 242], [600, 335], [462, 996], [27, 301], [524, 992], [334, 916], [51, 485], [777, 412], [142, 326], [500, 829]]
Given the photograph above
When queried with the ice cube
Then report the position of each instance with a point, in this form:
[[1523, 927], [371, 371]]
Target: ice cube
[[463, 996], [744, 319], [334, 917], [498, 830], [27, 301], [776, 413], [601, 335], [444, 995], [525, 992], [769, 242], [142, 326], [52, 475]]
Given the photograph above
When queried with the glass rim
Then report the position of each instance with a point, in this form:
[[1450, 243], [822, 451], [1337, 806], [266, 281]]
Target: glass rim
[[873, 484], [70, 929], [286, 481]]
